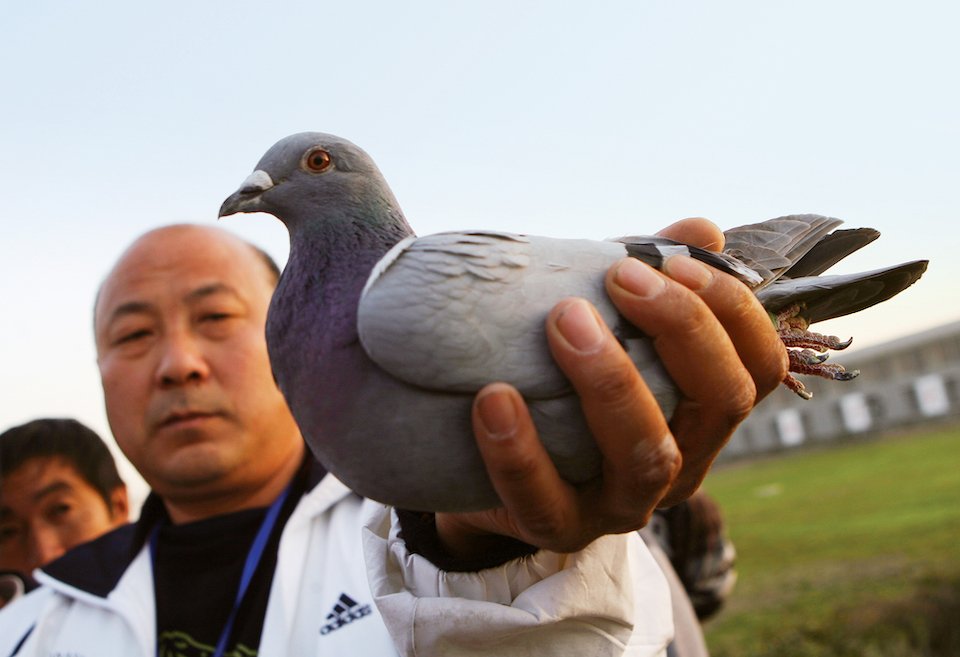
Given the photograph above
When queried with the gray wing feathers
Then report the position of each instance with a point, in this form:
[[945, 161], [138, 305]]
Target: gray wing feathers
[[483, 255], [455, 311]]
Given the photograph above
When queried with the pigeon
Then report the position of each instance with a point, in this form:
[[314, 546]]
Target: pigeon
[[379, 340]]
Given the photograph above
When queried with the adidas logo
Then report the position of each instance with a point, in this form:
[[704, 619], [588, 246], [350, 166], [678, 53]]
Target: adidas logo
[[344, 612]]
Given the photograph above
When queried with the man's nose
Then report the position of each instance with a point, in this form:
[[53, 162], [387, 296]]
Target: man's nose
[[182, 360]]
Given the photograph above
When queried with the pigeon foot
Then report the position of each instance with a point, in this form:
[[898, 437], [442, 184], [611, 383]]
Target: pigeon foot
[[806, 351]]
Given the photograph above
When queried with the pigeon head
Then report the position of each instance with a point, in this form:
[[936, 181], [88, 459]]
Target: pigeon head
[[312, 177]]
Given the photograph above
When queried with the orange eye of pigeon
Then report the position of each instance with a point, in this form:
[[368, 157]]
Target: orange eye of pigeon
[[318, 160]]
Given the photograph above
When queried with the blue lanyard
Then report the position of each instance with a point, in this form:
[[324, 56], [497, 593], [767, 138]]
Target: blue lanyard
[[249, 566]]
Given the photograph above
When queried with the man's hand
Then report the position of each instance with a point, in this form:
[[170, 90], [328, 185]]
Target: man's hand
[[718, 345]]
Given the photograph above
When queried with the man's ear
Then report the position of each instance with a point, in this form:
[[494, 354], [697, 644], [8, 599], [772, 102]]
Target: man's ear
[[119, 505]]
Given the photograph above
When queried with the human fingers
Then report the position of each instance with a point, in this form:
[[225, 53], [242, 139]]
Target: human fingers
[[640, 458], [735, 306], [716, 389], [539, 507], [742, 316], [700, 430], [696, 231]]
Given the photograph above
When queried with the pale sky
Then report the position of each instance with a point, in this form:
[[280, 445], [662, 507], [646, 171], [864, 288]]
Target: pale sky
[[539, 117]]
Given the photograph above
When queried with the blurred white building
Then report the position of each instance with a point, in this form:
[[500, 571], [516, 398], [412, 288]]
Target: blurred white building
[[908, 382]]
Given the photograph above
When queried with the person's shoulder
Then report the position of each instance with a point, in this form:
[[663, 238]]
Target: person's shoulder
[[26, 606], [18, 618]]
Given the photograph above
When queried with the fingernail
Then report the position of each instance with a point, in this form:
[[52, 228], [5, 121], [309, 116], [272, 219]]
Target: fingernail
[[688, 272], [497, 414], [580, 326], [638, 279]]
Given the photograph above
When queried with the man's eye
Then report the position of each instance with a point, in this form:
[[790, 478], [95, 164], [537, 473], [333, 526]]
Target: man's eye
[[132, 336], [59, 511], [215, 317], [7, 533]]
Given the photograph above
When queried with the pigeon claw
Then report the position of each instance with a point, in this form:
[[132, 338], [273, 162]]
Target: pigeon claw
[[803, 365], [807, 356], [807, 351], [793, 337], [793, 328], [797, 386], [845, 375]]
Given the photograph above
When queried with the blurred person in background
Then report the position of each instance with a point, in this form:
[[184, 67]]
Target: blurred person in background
[[694, 537], [59, 487]]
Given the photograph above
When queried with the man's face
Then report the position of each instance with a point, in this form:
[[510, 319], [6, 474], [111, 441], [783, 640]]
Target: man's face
[[187, 383], [46, 508]]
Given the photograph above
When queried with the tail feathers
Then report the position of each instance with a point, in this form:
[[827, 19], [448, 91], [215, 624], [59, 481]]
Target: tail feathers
[[772, 247], [782, 259], [826, 297], [830, 250]]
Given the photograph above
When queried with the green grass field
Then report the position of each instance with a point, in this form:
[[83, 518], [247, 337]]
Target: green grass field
[[849, 550]]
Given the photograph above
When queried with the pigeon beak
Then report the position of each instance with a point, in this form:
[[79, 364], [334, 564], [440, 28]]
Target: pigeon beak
[[247, 197]]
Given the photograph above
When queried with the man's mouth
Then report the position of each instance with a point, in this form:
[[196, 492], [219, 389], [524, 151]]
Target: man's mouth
[[181, 409], [186, 417]]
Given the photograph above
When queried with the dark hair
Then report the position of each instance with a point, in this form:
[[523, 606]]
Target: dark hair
[[68, 439]]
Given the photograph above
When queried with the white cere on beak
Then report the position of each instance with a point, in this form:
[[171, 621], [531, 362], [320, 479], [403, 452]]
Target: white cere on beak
[[258, 181]]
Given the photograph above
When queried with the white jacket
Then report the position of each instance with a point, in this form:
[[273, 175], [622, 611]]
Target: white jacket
[[609, 599]]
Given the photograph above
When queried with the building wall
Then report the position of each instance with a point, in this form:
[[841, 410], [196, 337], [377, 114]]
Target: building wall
[[910, 382]]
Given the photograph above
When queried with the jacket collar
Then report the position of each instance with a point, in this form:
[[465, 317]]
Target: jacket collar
[[96, 567]]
